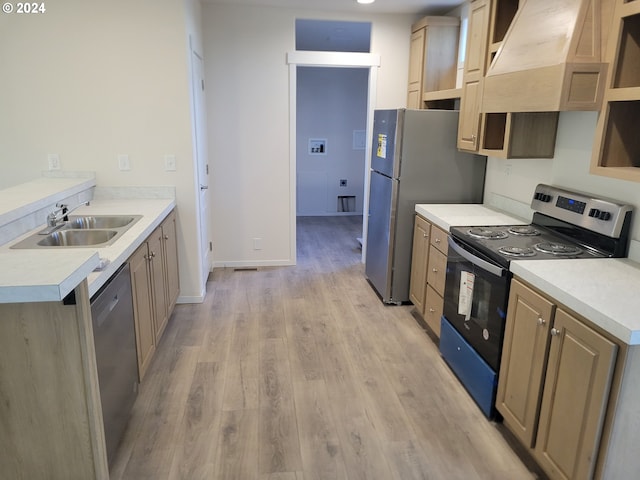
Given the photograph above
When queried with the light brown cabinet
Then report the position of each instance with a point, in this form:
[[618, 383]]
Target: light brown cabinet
[[555, 381], [155, 284], [433, 58], [419, 262], [475, 66], [51, 410], [497, 134], [142, 307], [428, 270], [616, 151]]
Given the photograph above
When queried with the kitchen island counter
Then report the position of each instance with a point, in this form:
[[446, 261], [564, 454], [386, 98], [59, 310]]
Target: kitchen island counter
[[46, 274]]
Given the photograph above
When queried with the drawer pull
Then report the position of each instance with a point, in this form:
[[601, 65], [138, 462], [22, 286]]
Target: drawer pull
[[541, 321], [555, 332], [437, 240], [431, 310], [434, 270]]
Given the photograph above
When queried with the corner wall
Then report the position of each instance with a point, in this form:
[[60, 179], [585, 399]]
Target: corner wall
[[91, 80]]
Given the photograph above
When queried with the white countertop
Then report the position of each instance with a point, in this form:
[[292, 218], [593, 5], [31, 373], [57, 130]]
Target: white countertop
[[47, 274], [39, 276], [446, 216], [604, 291], [20, 200]]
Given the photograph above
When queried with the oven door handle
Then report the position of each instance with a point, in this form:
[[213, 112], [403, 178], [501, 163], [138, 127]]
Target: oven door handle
[[483, 264]]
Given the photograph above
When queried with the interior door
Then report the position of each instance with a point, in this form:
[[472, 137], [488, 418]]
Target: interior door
[[200, 122]]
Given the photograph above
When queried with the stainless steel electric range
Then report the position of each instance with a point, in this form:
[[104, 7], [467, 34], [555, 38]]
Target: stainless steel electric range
[[565, 224]]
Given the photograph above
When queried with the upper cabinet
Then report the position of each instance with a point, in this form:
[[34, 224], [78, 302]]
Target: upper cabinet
[[541, 58], [432, 62], [616, 151], [474, 71]]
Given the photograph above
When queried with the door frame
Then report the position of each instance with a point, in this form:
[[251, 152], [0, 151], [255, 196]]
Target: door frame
[[201, 172], [337, 60]]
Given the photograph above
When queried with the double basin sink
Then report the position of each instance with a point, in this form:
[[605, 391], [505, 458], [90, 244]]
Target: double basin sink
[[81, 231]]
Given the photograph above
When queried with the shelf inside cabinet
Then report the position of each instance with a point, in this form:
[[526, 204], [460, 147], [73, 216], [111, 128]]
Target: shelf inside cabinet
[[442, 99], [627, 72], [621, 145], [505, 10], [519, 134], [495, 126]]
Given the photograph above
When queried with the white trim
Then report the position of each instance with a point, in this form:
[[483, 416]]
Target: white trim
[[293, 118], [329, 59], [253, 264], [333, 59]]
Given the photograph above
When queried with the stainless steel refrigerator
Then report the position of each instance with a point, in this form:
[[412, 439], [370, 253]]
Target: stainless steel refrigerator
[[414, 160]]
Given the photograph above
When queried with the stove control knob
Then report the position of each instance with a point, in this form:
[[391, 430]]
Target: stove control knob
[[594, 212], [543, 197], [605, 216]]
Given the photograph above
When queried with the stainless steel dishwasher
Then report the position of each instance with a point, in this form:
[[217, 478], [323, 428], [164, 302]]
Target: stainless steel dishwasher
[[114, 337]]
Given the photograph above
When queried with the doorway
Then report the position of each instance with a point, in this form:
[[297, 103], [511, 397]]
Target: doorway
[[335, 39], [330, 154]]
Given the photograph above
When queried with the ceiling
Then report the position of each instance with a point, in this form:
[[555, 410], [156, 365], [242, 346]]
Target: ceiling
[[424, 7]]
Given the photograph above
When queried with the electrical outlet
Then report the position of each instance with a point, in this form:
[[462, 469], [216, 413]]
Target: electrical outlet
[[54, 161], [123, 162], [343, 182], [170, 163]]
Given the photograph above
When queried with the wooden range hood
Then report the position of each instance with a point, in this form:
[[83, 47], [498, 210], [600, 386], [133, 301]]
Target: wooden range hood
[[550, 58]]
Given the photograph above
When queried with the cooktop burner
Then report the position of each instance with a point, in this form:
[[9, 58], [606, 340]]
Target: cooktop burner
[[517, 251], [526, 230], [559, 249], [486, 233], [565, 224]]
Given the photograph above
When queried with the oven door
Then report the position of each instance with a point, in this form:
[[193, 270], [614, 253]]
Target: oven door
[[475, 300]]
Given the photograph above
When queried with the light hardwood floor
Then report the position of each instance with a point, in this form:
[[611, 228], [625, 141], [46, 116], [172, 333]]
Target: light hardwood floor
[[301, 373]]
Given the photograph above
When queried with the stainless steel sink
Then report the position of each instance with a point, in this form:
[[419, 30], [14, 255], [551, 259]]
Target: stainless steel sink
[[77, 238], [81, 231], [100, 221]]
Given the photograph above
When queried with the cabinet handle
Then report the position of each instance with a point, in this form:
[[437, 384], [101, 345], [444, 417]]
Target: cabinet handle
[[166, 237], [431, 310], [541, 321], [425, 235], [434, 270], [437, 240], [555, 332], [153, 254]]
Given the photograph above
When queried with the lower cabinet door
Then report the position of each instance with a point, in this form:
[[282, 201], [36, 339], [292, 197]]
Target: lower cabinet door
[[433, 310], [576, 390], [524, 359], [142, 308]]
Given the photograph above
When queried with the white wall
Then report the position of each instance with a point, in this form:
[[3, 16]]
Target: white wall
[[91, 80], [569, 168], [248, 117], [331, 104]]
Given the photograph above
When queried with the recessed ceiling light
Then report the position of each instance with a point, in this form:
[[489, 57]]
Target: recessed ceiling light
[[366, 1]]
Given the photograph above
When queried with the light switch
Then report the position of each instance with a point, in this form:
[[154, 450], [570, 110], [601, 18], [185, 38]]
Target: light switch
[[123, 162], [170, 163], [54, 161]]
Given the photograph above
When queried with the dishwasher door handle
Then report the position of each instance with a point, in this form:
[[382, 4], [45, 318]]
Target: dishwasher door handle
[[114, 303]]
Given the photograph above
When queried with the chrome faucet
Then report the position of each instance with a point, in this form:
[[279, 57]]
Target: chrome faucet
[[58, 215]]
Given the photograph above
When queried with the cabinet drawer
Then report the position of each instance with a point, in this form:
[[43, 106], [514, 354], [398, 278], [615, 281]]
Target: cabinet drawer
[[439, 239], [437, 270], [433, 307]]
